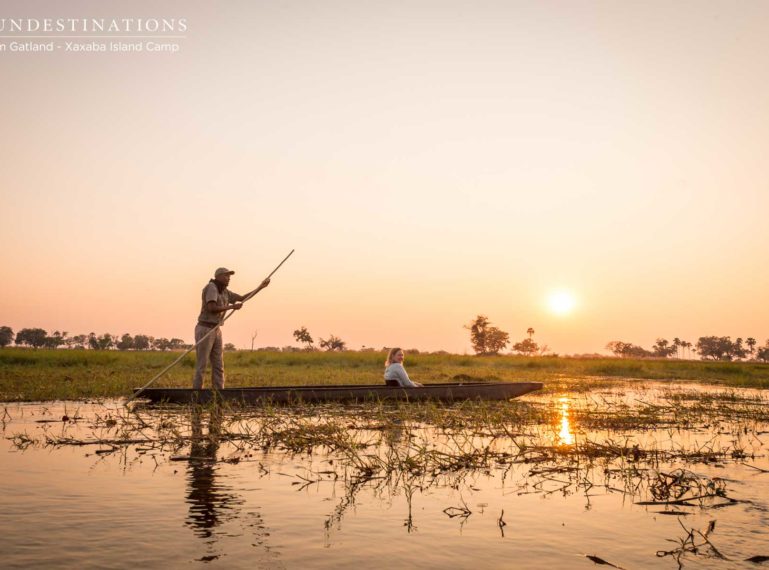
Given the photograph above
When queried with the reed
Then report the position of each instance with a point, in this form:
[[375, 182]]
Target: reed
[[34, 375], [635, 445]]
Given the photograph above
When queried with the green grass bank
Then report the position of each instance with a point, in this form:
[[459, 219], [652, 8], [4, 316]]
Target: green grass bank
[[31, 375]]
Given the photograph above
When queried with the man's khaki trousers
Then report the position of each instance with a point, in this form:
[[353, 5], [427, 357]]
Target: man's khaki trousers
[[210, 350]]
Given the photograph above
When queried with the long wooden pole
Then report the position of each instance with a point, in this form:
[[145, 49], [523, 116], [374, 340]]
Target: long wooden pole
[[162, 373]]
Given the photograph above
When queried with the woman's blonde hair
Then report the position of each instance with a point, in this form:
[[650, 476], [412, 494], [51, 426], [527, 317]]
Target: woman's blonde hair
[[393, 352]]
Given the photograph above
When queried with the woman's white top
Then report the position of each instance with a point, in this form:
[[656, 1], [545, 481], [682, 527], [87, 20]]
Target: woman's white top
[[396, 372]]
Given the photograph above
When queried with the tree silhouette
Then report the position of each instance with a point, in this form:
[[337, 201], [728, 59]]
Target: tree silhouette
[[662, 348], [496, 340], [31, 337], [715, 348], [627, 350], [6, 336], [526, 346], [763, 353], [333, 343], [126, 342], [485, 338], [55, 340], [105, 342], [78, 341], [303, 335]]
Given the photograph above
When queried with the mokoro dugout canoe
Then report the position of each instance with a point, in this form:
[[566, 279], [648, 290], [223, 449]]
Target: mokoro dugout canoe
[[288, 394]]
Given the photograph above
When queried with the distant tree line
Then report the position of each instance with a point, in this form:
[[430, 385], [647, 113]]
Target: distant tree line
[[39, 338], [707, 347], [488, 340], [485, 338], [332, 343]]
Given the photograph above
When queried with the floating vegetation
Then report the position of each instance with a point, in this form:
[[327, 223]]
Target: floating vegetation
[[429, 440], [656, 449], [601, 561], [694, 542]]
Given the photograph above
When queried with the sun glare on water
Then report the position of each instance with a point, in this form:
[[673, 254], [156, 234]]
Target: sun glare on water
[[566, 434], [561, 302]]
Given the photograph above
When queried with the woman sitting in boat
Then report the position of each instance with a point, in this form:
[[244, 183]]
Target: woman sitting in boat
[[395, 374]]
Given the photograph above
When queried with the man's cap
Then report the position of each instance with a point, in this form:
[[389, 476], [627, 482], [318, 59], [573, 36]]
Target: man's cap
[[223, 271]]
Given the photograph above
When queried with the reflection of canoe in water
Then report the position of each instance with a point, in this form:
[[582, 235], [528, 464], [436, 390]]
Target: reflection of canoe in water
[[442, 392]]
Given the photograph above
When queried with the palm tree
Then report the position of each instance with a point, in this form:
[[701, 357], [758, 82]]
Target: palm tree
[[677, 343], [751, 342], [739, 351]]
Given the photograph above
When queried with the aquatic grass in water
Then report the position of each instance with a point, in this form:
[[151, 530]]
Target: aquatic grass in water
[[301, 429], [657, 454]]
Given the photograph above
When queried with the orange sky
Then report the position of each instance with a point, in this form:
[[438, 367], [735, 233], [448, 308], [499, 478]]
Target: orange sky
[[429, 161]]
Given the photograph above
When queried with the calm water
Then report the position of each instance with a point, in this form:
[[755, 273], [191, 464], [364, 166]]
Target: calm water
[[230, 491]]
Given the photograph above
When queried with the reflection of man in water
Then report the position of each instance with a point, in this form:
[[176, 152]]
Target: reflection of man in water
[[206, 499], [212, 504]]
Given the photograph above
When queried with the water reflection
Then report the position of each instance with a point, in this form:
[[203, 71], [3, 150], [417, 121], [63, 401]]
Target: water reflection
[[367, 465], [210, 502], [566, 435]]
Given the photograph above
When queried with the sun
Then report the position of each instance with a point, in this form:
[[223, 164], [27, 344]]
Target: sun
[[561, 302]]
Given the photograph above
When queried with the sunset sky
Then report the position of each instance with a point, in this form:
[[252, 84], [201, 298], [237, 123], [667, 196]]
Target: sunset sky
[[428, 160]]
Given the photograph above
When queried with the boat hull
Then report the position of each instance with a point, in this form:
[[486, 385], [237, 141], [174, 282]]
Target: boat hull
[[352, 393]]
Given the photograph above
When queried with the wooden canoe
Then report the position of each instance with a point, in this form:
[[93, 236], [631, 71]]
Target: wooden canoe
[[289, 394]]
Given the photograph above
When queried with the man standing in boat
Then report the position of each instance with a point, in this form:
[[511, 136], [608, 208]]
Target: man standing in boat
[[216, 301]]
